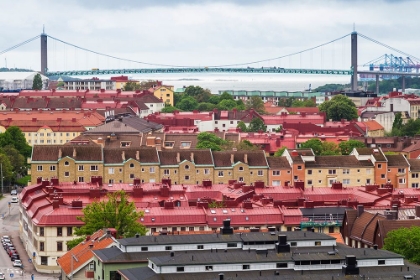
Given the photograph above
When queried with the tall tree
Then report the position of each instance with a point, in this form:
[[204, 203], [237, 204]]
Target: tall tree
[[14, 137], [131, 86], [116, 212], [404, 241], [314, 144], [346, 147], [37, 83], [242, 126], [187, 103], [200, 94], [256, 103], [208, 140], [339, 107], [256, 125]]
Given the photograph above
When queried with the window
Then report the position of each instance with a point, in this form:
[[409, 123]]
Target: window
[[200, 247], [166, 172], [41, 246], [241, 168], [131, 176], [414, 175], [41, 231], [220, 174], [111, 170], [309, 171], [241, 179], [346, 171], [401, 170], [66, 174], [367, 181], [206, 171], [187, 167], [209, 267], [44, 260], [144, 249], [382, 176], [299, 167], [81, 179], [317, 243], [332, 171], [81, 168], [415, 185], [52, 167], [169, 144], [346, 181], [389, 169], [381, 262], [59, 246], [246, 266], [379, 165], [276, 172], [309, 182], [281, 265], [185, 145], [94, 168], [59, 231], [401, 180], [66, 163], [179, 268], [168, 248], [69, 231], [152, 169], [131, 165], [191, 229], [125, 144], [293, 244], [232, 245], [260, 172], [39, 168], [187, 177], [368, 171]]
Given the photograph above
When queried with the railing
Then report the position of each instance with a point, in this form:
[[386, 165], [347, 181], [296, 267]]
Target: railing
[[330, 223]]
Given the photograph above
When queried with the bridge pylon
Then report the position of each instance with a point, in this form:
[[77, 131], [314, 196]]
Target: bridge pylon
[[44, 54]]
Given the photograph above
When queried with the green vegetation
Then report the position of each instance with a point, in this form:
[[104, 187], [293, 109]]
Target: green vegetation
[[346, 147], [115, 212], [256, 103], [37, 83], [324, 148], [331, 88], [404, 241], [388, 85], [133, 86], [303, 103], [280, 151], [255, 125], [74, 242], [338, 108], [208, 140], [411, 128]]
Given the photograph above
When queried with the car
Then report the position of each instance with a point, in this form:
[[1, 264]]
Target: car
[[5, 237], [7, 245], [15, 199], [13, 192], [11, 252], [17, 263], [14, 257], [2, 277]]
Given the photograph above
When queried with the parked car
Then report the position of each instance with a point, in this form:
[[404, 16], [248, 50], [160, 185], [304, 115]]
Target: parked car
[[2, 277], [5, 237], [11, 252], [13, 192], [14, 256], [15, 199], [17, 263], [7, 245]]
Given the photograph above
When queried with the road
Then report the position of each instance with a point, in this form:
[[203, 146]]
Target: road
[[9, 225]]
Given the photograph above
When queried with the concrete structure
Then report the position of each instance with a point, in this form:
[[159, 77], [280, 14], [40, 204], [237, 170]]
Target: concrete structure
[[19, 80]]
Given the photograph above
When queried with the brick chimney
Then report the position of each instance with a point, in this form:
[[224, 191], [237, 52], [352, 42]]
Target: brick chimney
[[138, 155], [178, 158], [246, 158], [232, 159], [123, 155], [192, 157], [60, 153], [74, 152]]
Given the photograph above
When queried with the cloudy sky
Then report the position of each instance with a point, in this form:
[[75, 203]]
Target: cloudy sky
[[206, 33]]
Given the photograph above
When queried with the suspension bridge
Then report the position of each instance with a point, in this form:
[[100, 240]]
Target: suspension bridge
[[393, 65]]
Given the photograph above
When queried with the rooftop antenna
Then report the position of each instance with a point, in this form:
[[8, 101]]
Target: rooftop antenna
[[43, 29], [354, 27]]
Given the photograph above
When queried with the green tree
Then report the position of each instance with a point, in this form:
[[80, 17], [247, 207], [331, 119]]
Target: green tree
[[226, 104], [280, 151], [214, 99], [168, 109], [74, 242], [314, 144], [329, 149], [339, 107], [60, 84], [242, 126], [115, 212], [404, 241], [226, 96], [198, 93], [14, 137], [240, 105], [303, 103], [205, 106], [246, 145], [256, 125], [397, 125], [411, 128], [208, 140], [37, 83], [187, 103], [346, 147], [256, 103], [7, 169], [331, 88]]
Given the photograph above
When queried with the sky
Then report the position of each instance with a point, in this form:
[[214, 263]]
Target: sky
[[206, 33]]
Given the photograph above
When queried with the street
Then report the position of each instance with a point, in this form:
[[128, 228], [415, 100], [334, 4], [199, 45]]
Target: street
[[9, 225]]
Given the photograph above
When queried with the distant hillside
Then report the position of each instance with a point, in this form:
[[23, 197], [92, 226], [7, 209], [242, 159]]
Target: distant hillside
[[3, 69]]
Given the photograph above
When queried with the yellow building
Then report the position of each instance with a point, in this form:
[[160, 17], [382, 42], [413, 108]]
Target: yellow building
[[166, 93]]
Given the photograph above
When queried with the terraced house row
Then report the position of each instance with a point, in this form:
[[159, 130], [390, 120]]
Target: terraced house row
[[78, 162]]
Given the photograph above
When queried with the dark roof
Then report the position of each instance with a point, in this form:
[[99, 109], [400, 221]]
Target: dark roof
[[142, 125], [397, 160], [177, 138], [201, 157], [115, 155], [336, 161], [51, 152], [377, 154], [414, 164], [290, 235], [323, 210], [364, 227], [278, 162], [254, 158]]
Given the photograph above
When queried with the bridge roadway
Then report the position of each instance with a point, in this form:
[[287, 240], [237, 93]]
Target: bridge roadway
[[262, 70]]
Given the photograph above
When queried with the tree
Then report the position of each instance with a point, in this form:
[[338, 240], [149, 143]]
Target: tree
[[37, 83], [256, 103], [131, 86], [242, 126], [14, 137], [214, 99], [187, 103], [246, 145], [330, 149], [198, 93], [240, 105], [280, 151], [208, 140], [339, 107], [303, 103], [404, 241], [205, 106], [397, 125], [116, 212], [226, 104], [74, 242], [256, 125], [346, 147], [314, 144], [168, 109], [226, 96]]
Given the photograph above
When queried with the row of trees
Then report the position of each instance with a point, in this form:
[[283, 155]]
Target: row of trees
[[411, 128], [324, 148], [208, 140]]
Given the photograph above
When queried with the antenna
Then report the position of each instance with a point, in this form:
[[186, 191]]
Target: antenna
[[354, 27], [43, 29]]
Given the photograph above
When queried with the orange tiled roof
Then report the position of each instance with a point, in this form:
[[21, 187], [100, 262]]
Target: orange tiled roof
[[373, 125], [83, 252]]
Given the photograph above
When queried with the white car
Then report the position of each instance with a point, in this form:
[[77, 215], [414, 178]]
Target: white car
[[17, 263], [2, 277], [15, 199]]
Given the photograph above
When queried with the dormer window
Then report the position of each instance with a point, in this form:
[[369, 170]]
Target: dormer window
[[185, 145], [169, 144], [125, 143]]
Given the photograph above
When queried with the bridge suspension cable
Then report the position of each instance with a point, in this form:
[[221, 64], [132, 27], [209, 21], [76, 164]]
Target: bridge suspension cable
[[386, 46], [189, 66], [18, 45]]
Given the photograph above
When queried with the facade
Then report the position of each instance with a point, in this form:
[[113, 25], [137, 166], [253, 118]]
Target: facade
[[12, 81], [89, 84], [164, 92]]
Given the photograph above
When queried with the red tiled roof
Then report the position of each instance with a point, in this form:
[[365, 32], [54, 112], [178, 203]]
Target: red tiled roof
[[373, 125]]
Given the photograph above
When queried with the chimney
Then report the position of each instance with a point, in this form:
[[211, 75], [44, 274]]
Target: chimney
[[60, 153], [178, 158], [282, 246], [226, 229], [123, 155], [138, 155], [74, 152], [192, 157], [246, 158], [232, 159], [360, 210]]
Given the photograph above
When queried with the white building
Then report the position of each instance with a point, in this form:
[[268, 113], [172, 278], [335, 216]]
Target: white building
[[19, 80]]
